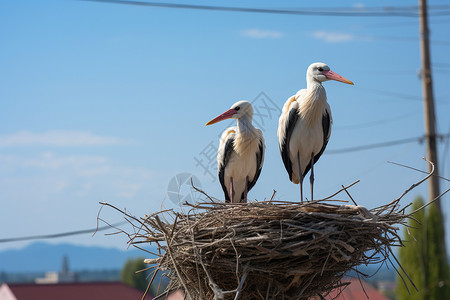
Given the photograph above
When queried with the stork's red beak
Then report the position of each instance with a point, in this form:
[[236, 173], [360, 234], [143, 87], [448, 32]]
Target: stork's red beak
[[333, 76], [226, 115]]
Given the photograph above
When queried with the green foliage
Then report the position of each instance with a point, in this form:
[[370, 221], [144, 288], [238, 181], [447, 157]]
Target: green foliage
[[411, 256], [424, 258], [129, 276], [438, 275]]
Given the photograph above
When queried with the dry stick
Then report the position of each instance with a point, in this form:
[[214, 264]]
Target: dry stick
[[425, 205], [364, 290], [321, 297], [236, 252], [121, 211], [394, 163], [393, 255], [159, 285], [345, 189], [268, 290], [115, 227], [413, 185], [98, 215], [201, 191], [149, 284], [145, 250], [306, 286], [216, 290], [195, 249], [341, 190], [273, 195], [169, 250], [153, 278], [241, 284]]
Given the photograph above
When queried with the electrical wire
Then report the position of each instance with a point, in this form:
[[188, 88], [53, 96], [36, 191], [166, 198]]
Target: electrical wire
[[58, 235], [375, 123], [374, 146], [352, 12], [419, 140]]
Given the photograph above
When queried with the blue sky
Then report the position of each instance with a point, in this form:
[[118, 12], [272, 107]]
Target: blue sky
[[104, 102]]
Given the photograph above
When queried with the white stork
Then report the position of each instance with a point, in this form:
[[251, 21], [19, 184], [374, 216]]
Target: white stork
[[241, 153], [305, 125]]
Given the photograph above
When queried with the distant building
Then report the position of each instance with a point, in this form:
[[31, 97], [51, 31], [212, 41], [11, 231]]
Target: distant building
[[70, 291], [386, 286], [355, 291], [59, 277]]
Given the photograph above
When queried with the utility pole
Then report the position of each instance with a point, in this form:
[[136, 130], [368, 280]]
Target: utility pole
[[430, 136], [430, 118]]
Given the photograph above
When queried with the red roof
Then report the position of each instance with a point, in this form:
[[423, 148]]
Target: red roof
[[75, 291], [354, 291]]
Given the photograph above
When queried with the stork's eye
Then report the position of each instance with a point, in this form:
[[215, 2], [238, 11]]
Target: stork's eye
[[237, 108], [320, 69]]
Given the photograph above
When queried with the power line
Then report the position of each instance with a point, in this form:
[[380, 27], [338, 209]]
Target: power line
[[393, 94], [349, 12], [58, 235], [375, 123], [419, 140]]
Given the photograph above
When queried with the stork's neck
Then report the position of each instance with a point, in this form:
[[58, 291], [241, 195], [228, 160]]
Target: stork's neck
[[246, 135], [314, 103], [245, 126], [316, 87]]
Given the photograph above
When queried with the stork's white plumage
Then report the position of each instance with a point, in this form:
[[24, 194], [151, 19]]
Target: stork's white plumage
[[241, 153], [304, 126]]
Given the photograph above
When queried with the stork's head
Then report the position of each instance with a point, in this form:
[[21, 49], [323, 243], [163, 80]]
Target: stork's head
[[241, 109], [321, 72]]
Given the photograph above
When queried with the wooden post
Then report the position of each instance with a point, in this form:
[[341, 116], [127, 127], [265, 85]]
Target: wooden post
[[430, 118], [430, 135]]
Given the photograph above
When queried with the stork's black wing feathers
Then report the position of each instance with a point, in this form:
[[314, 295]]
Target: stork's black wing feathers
[[259, 159], [284, 146], [228, 149], [326, 125]]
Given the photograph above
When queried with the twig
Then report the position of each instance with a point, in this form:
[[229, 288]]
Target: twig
[[241, 283], [397, 164], [414, 185], [341, 190], [345, 189], [429, 203], [273, 195]]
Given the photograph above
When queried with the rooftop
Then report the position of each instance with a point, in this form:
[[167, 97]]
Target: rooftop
[[70, 291]]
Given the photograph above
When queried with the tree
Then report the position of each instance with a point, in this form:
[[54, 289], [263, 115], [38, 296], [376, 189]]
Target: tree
[[412, 255], [438, 271], [129, 276], [423, 257]]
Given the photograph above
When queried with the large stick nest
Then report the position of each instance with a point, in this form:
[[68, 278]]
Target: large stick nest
[[268, 250]]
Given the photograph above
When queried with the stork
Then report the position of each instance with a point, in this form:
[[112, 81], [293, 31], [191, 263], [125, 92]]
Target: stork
[[304, 126], [241, 153]]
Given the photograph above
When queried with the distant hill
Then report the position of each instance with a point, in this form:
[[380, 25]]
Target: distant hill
[[41, 257]]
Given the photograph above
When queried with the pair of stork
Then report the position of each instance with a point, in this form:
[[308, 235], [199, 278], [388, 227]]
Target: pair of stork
[[303, 132]]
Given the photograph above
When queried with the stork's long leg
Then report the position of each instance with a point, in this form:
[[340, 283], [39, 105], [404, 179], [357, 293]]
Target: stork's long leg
[[245, 190], [231, 193], [300, 176], [311, 176]]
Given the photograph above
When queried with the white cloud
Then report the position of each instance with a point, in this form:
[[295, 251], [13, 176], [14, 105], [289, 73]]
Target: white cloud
[[50, 161], [59, 138], [359, 6], [53, 174], [262, 34], [333, 37]]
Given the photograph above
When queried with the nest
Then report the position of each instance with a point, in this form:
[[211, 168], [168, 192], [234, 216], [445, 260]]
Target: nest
[[268, 250]]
